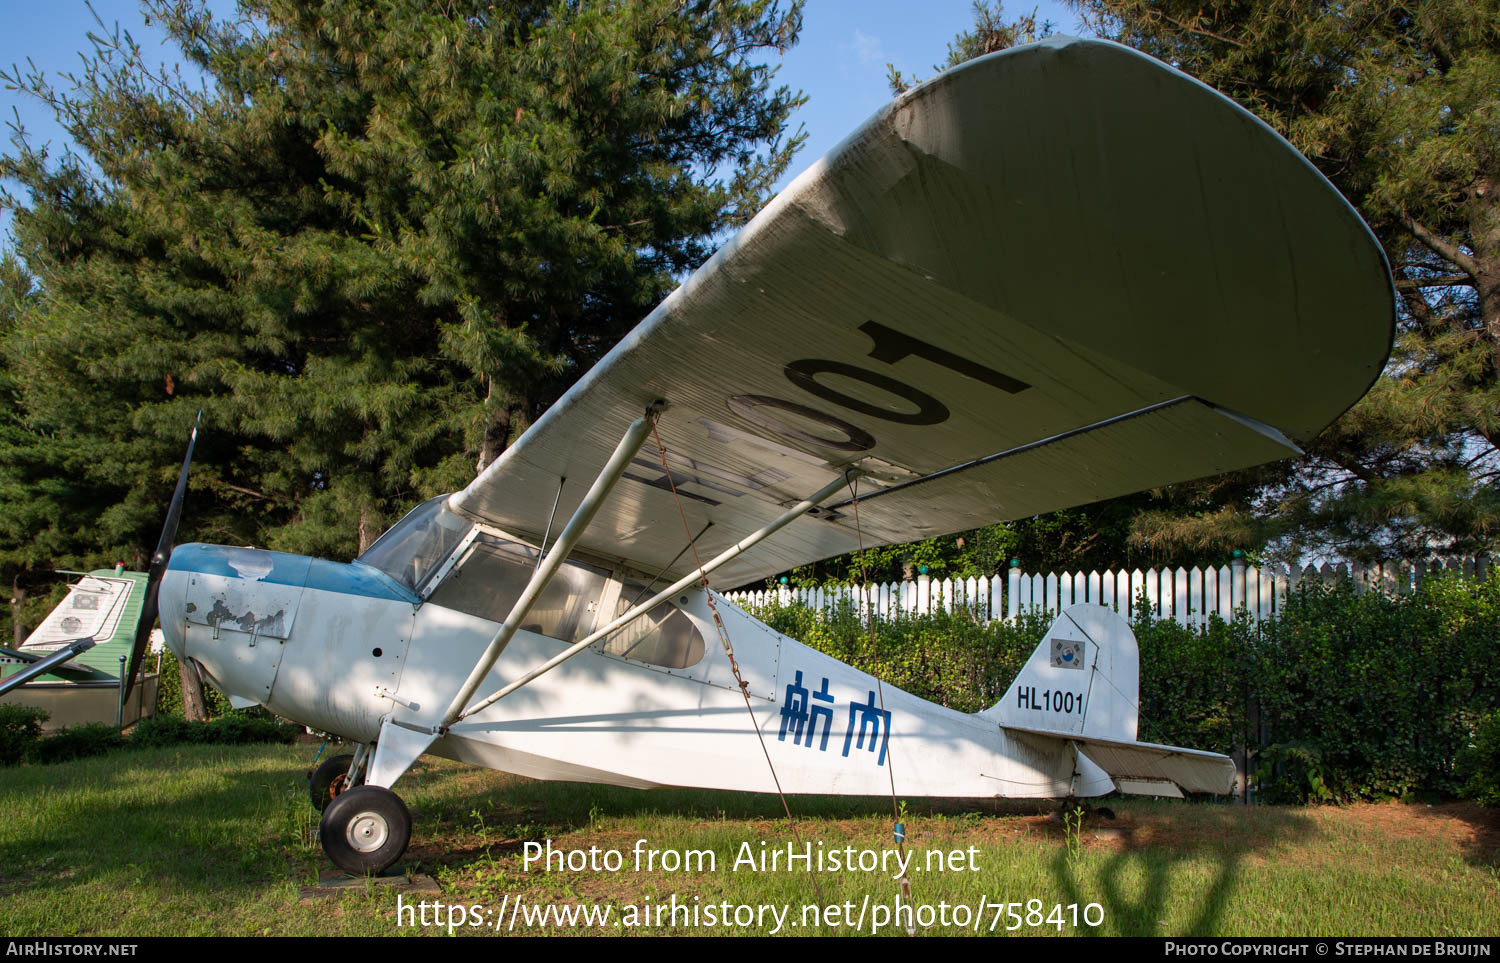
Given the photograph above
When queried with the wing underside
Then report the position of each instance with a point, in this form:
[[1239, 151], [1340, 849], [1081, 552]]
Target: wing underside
[[1057, 274]]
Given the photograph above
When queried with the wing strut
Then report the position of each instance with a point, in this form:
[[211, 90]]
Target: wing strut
[[730, 553], [609, 476]]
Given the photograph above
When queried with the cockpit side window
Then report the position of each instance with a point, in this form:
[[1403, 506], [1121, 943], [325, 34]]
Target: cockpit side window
[[494, 572], [415, 546], [664, 636]]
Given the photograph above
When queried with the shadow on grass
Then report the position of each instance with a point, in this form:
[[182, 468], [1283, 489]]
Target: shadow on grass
[[1136, 868], [1140, 883], [464, 797], [192, 820], [203, 826], [1482, 848]]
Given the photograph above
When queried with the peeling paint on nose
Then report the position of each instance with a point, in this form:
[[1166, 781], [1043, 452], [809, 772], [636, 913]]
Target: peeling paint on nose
[[265, 606], [274, 625], [231, 600]]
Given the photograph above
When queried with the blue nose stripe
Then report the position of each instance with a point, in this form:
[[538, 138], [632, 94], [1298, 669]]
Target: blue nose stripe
[[276, 568], [356, 578], [280, 568]]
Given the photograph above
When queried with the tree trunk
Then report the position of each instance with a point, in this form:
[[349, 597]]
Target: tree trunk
[[194, 705], [17, 598], [506, 422], [1484, 220], [369, 529]]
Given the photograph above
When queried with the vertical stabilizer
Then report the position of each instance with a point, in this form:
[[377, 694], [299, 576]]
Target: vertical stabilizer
[[1083, 680]]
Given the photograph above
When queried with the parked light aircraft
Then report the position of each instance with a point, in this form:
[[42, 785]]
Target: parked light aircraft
[[1056, 274]]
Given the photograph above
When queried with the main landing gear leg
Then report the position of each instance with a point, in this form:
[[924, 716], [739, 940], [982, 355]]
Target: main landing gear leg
[[366, 827]]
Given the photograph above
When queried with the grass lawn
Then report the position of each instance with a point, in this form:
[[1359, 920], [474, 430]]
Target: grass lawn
[[208, 840]]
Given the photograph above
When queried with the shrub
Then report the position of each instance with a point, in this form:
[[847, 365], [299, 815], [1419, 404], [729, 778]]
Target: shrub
[[20, 728], [1192, 683], [951, 658], [1478, 764], [1379, 690], [234, 728], [77, 742], [1341, 696], [164, 730], [241, 728], [169, 691]]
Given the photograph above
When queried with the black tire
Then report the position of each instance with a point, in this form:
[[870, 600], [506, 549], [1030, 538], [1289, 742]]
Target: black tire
[[328, 780], [365, 830]]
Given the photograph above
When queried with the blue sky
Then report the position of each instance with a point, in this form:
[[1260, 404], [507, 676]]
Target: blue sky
[[840, 61]]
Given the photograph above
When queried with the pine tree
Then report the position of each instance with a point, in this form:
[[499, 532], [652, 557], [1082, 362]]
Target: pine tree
[[372, 248]]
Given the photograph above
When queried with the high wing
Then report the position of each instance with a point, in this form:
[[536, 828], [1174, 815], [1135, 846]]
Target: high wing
[[1053, 275]]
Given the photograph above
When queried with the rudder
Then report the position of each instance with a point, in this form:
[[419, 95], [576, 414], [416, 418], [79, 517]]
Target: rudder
[[1082, 680]]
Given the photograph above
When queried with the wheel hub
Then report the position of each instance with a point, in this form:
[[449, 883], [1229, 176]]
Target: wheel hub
[[367, 832]]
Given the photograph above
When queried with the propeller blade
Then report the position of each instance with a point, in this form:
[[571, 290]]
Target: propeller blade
[[159, 565]]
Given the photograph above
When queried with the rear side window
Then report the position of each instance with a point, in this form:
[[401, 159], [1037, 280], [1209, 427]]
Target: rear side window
[[664, 636], [494, 572]]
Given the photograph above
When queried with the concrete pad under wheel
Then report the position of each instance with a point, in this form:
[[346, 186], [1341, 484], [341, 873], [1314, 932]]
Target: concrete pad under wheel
[[335, 883]]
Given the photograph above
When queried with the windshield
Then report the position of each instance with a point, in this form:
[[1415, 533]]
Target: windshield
[[418, 544]]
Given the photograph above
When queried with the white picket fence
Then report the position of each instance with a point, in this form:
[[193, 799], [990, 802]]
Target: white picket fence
[[1190, 596]]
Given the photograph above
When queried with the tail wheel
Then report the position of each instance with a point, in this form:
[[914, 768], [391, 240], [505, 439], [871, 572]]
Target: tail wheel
[[365, 829], [328, 780]]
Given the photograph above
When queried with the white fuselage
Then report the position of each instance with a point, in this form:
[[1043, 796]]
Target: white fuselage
[[347, 648]]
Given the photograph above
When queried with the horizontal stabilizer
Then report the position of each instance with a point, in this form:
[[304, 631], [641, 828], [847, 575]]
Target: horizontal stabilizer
[[1192, 770]]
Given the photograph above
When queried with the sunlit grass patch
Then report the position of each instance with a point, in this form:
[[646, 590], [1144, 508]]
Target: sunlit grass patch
[[220, 840]]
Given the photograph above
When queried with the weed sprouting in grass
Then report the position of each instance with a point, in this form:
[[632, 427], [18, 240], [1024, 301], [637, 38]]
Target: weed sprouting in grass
[[480, 829], [298, 820], [1073, 831]]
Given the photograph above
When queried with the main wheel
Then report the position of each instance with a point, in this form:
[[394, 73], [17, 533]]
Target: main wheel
[[328, 780], [365, 829]]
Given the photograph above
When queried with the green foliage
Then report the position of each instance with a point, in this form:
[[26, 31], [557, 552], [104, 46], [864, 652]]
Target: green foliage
[[1384, 689], [1341, 696], [1193, 686], [231, 729], [951, 658], [243, 728], [1073, 831], [20, 727], [1478, 764], [1394, 103], [372, 249], [1090, 538], [76, 742], [164, 729], [20, 738], [1292, 773], [991, 34]]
